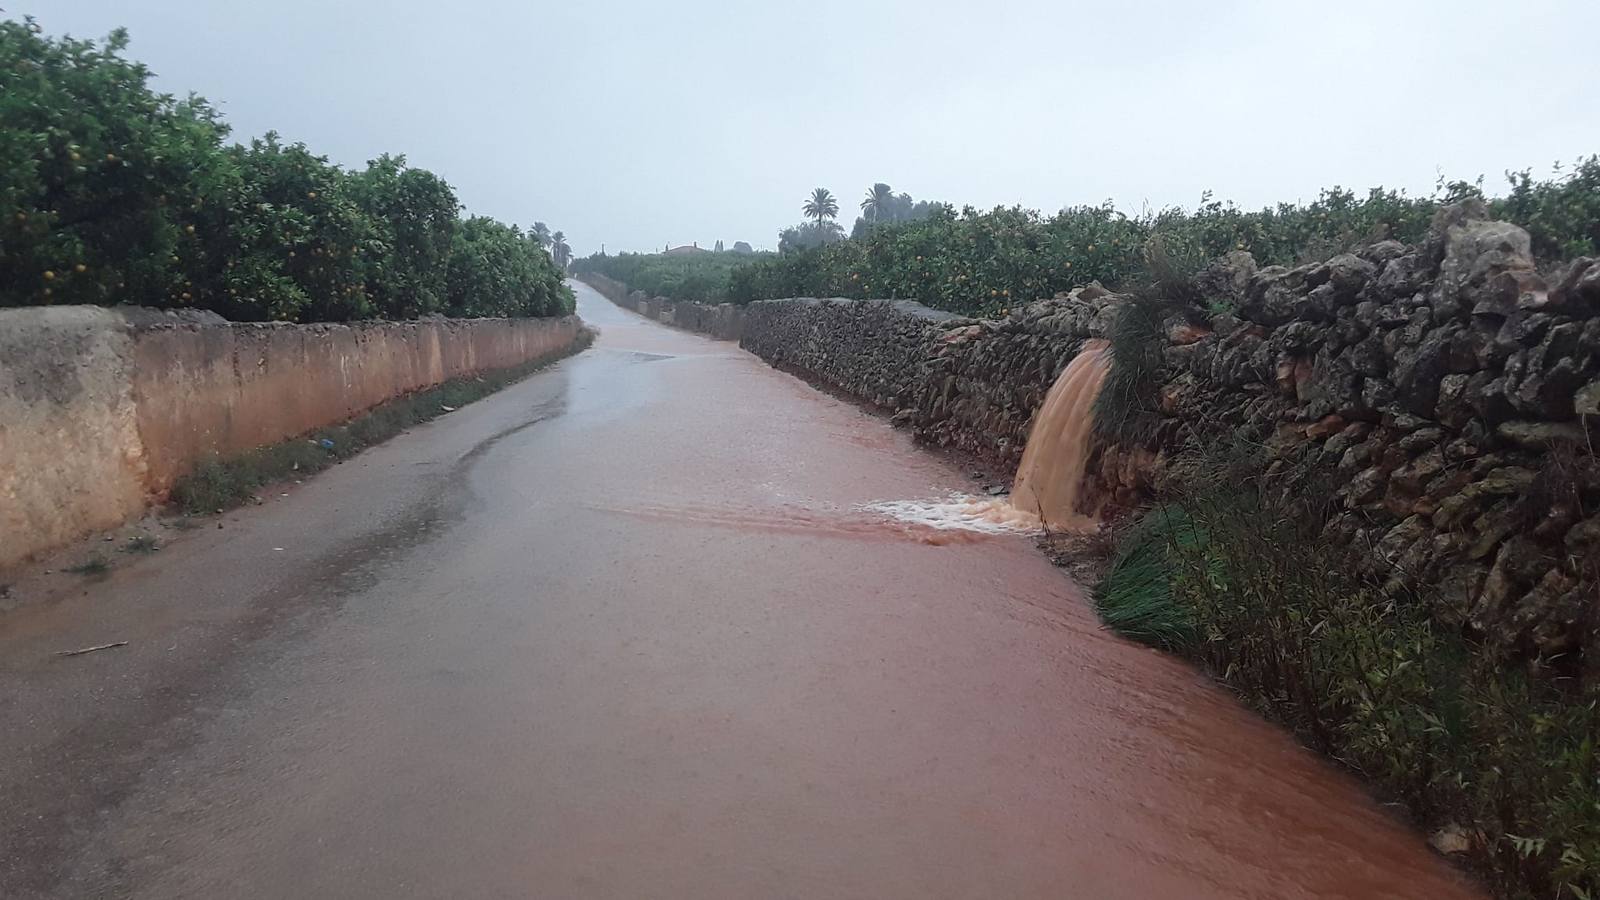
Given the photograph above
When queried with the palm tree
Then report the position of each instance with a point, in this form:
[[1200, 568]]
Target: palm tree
[[821, 205], [541, 233], [880, 203], [559, 251]]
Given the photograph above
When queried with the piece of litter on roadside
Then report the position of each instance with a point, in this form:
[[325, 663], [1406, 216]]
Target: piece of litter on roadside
[[277, 548], [83, 650], [447, 408]]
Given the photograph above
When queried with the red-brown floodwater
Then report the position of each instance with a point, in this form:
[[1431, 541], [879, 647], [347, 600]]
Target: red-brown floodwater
[[645, 625]]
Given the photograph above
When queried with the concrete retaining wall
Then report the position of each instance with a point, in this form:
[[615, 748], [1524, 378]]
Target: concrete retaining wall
[[101, 410]]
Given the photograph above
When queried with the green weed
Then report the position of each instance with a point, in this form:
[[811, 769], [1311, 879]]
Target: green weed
[[1135, 598]]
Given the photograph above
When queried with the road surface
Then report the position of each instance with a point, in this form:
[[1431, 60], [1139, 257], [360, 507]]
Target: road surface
[[622, 630]]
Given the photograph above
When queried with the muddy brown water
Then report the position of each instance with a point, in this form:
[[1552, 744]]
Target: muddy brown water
[[633, 628], [1051, 470]]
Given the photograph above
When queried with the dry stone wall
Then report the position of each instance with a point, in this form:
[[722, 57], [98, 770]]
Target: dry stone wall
[[1450, 390]]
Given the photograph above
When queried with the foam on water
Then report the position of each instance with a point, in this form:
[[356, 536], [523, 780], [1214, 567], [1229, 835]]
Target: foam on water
[[959, 512], [1045, 494]]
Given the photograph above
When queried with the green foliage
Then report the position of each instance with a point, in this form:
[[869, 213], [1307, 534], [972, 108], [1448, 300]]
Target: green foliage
[[1125, 409], [415, 215], [98, 175], [820, 205], [883, 206], [559, 251], [496, 270], [697, 277], [808, 235], [1562, 215], [980, 263], [113, 193], [1235, 573], [1135, 598]]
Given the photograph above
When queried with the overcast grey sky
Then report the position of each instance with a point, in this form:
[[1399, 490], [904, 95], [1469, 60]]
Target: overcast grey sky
[[641, 123]]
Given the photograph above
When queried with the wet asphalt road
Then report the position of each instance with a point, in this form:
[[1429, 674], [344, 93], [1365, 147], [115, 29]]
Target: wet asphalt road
[[621, 630]]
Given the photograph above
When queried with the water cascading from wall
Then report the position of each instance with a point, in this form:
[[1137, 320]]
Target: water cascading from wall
[[1050, 476], [1046, 491]]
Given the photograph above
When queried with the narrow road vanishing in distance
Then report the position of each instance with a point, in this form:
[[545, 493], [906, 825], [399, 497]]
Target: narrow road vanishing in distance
[[621, 630]]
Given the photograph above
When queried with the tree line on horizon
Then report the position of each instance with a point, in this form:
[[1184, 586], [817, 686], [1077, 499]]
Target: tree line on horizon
[[113, 193], [981, 262], [882, 206]]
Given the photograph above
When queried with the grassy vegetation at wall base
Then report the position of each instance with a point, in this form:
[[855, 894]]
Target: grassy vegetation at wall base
[[218, 484], [1242, 581]]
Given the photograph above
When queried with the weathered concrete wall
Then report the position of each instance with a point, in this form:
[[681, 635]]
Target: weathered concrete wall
[[1453, 394], [101, 411], [723, 321], [70, 456]]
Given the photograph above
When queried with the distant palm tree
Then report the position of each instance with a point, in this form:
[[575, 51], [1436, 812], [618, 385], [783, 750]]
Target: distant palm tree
[[559, 251], [880, 203], [821, 205], [541, 233]]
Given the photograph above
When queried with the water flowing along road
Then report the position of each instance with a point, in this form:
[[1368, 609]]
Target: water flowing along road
[[623, 630]]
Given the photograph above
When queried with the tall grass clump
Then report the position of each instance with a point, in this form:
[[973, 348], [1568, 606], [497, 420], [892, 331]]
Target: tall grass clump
[[1125, 410], [1135, 598]]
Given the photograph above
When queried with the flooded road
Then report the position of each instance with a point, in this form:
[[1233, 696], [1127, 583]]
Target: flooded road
[[633, 628]]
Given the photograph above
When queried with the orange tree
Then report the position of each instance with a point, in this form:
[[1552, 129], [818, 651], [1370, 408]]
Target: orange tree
[[113, 193], [100, 178]]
